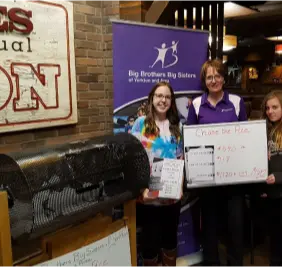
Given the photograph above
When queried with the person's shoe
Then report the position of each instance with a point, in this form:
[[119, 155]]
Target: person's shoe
[[169, 257], [275, 263], [209, 263], [150, 262]]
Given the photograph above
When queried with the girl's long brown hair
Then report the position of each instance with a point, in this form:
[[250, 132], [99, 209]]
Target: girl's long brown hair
[[274, 130], [172, 114]]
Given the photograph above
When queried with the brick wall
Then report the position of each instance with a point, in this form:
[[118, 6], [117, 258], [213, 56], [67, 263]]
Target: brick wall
[[93, 52]]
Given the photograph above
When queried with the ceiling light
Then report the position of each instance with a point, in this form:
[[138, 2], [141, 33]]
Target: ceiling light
[[232, 10], [229, 42], [274, 38]]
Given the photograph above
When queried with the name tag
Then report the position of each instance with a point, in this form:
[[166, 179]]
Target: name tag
[[226, 109]]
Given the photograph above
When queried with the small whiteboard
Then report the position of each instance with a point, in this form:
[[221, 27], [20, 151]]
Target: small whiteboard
[[113, 250], [167, 178], [225, 153]]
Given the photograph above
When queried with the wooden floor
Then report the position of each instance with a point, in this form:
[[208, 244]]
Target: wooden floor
[[260, 255]]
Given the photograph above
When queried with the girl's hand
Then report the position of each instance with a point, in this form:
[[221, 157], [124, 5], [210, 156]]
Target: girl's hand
[[270, 179], [264, 195], [148, 196], [181, 193]]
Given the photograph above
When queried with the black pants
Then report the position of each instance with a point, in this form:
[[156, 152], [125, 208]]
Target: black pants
[[215, 203], [159, 228], [275, 227]]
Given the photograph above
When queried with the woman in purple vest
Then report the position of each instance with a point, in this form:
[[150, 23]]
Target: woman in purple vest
[[218, 106]]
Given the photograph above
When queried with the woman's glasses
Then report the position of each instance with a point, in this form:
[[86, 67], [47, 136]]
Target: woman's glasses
[[216, 77], [161, 96]]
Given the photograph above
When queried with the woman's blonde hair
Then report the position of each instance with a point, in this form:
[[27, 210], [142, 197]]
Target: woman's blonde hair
[[274, 130]]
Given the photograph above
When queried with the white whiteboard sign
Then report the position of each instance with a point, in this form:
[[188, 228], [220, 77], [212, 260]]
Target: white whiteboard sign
[[225, 153], [37, 65], [113, 250]]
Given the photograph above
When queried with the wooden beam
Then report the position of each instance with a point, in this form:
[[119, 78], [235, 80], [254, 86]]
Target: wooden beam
[[180, 15], [189, 8], [6, 258], [199, 17], [213, 29], [220, 24], [132, 10], [155, 11]]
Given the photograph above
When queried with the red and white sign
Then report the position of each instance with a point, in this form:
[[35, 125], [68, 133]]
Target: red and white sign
[[37, 65]]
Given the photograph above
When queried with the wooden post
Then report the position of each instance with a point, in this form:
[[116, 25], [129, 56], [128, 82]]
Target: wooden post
[[220, 23], [180, 15], [6, 258], [130, 216], [213, 29], [189, 8]]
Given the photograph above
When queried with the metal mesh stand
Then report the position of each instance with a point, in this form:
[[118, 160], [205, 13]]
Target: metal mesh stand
[[54, 187]]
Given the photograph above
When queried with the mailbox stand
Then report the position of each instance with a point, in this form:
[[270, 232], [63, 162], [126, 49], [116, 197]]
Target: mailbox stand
[[68, 239]]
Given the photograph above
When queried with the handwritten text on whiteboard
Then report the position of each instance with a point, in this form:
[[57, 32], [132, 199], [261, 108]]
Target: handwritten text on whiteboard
[[226, 153]]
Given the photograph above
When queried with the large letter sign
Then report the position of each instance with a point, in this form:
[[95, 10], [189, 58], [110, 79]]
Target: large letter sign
[[37, 69]]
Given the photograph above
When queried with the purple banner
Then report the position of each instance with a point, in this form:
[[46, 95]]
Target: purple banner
[[143, 55], [146, 54], [188, 235]]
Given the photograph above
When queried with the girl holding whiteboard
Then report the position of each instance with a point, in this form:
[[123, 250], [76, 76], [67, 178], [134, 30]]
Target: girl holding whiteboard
[[272, 112], [160, 133], [218, 106]]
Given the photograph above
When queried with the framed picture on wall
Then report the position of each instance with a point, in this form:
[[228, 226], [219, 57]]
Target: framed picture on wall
[[234, 76], [273, 75], [253, 73]]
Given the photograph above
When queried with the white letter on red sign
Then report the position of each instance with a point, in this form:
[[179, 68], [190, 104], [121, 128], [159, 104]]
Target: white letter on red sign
[[34, 86]]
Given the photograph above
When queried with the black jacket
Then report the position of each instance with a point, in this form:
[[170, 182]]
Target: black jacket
[[275, 168]]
